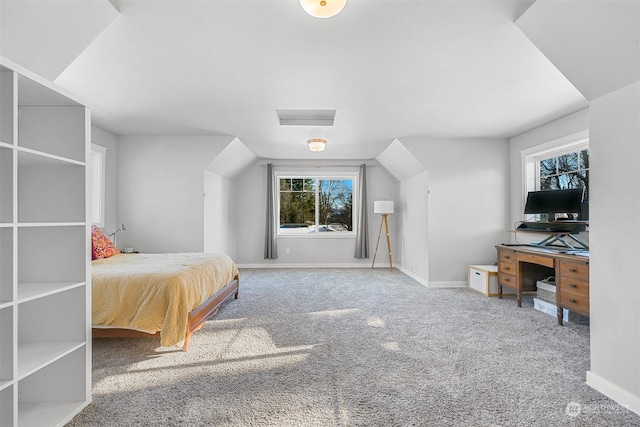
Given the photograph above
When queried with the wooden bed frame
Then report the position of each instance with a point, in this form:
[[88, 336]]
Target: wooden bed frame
[[196, 319]]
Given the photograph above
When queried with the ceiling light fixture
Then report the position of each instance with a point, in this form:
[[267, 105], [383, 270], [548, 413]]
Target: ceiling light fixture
[[323, 8], [317, 144]]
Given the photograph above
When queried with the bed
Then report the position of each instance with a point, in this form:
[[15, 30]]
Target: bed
[[167, 295]]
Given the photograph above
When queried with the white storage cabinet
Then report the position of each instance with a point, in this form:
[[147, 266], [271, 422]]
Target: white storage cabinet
[[484, 279], [45, 298]]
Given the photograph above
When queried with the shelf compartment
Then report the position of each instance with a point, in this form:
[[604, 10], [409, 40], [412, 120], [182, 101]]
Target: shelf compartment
[[6, 343], [34, 356], [54, 394], [8, 105], [49, 327], [32, 92], [34, 290], [52, 254], [6, 406], [48, 413], [58, 130], [6, 265], [6, 185], [49, 190], [49, 121]]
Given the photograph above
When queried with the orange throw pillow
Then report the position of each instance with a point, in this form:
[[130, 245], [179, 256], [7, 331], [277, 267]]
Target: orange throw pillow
[[101, 246]]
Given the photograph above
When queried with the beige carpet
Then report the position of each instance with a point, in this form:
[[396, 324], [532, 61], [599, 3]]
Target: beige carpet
[[355, 347]]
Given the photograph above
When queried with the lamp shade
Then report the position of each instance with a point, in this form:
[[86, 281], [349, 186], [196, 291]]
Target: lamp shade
[[323, 8], [383, 206]]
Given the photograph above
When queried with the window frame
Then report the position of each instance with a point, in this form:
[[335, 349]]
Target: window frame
[[341, 174], [555, 154], [532, 157], [98, 184]]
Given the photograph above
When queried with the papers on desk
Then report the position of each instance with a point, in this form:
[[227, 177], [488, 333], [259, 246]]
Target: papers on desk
[[561, 250], [579, 253], [551, 251]]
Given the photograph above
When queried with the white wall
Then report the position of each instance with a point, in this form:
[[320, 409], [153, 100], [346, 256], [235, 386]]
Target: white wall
[[220, 219], [161, 191], [615, 245], [467, 205], [107, 139], [413, 227], [314, 252]]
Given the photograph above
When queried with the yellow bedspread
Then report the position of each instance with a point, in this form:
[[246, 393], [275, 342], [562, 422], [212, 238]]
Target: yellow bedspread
[[155, 292]]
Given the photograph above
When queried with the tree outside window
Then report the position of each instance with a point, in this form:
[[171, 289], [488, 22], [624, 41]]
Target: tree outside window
[[565, 171], [314, 205]]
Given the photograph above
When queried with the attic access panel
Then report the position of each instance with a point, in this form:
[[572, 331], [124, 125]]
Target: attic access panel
[[306, 117]]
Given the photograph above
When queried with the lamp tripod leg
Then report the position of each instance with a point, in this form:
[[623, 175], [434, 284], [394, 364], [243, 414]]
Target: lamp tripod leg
[[378, 241], [386, 227]]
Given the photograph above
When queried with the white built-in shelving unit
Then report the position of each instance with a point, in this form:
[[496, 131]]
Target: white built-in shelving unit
[[45, 298]]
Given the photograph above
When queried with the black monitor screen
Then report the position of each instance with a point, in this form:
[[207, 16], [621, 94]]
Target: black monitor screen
[[554, 201]]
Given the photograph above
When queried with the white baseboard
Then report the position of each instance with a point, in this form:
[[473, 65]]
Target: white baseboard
[[418, 279], [463, 284], [614, 392], [307, 265], [421, 280]]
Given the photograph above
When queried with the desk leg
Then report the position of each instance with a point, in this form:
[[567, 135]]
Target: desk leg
[[560, 314], [499, 291], [519, 279]]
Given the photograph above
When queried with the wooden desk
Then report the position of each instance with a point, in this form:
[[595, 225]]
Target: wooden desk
[[520, 267]]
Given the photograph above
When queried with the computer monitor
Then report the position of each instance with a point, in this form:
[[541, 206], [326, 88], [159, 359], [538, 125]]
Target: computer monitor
[[584, 211], [552, 202]]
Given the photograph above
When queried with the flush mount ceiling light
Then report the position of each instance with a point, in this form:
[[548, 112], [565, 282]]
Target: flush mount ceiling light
[[323, 8], [317, 144]]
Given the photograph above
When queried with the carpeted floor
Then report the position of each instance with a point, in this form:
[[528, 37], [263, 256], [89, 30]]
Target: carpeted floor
[[355, 347]]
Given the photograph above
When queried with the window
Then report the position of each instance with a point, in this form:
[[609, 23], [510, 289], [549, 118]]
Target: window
[[311, 205], [98, 161], [570, 170], [558, 164]]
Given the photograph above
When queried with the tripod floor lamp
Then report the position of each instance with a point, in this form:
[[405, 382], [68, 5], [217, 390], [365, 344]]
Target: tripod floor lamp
[[384, 207]]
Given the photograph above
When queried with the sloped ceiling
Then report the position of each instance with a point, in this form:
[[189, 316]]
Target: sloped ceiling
[[46, 36], [232, 160], [389, 68], [399, 161], [594, 43]]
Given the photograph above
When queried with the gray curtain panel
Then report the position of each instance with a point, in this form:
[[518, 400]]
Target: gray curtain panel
[[362, 236], [270, 247]]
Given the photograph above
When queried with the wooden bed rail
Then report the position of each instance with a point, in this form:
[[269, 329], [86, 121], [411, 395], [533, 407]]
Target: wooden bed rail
[[208, 308]]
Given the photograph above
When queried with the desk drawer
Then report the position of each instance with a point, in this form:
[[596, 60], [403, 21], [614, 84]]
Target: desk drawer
[[576, 302], [574, 285], [507, 267], [508, 280], [536, 259], [577, 270], [506, 256]]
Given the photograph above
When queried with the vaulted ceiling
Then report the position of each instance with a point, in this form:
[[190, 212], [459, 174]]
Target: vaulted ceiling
[[389, 68]]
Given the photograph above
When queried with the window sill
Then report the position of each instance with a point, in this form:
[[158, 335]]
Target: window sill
[[317, 236]]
